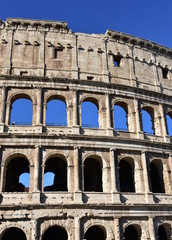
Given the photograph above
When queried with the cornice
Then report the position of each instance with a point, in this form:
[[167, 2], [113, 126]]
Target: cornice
[[137, 41]]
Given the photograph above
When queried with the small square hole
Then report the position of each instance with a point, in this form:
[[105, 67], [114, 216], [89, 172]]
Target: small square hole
[[165, 73], [90, 78], [116, 61]]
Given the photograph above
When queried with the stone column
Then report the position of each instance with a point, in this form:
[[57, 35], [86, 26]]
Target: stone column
[[39, 106], [138, 120], [77, 229], [33, 227], [105, 70], [167, 179], [77, 170], [145, 172], [74, 49], [3, 103], [151, 228], [3, 168], [70, 180], [117, 229], [37, 169], [163, 123], [44, 113], [8, 113], [113, 171], [75, 112], [108, 116]]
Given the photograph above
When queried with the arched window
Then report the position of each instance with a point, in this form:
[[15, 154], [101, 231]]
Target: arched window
[[21, 112], [148, 121], [55, 232], [126, 175], [169, 123], [89, 115], [14, 233], [56, 170], [17, 175], [162, 235], [120, 116], [56, 113], [92, 175], [96, 233], [156, 174], [132, 232]]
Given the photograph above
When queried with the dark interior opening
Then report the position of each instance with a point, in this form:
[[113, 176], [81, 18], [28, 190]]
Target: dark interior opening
[[55, 232], [92, 175], [165, 73], [15, 168], [95, 233], [14, 233], [116, 60], [156, 173], [162, 233], [131, 233], [126, 176], [57, 166]]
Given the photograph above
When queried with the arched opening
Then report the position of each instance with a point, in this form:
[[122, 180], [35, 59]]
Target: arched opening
[[56, 113], [14, 233], [120, 116], [96, 233], [92, 175], [162, 235], [21, 112], [56, 169], [55, 232], [126, 175], [156, 174], [132, 233], [17, 175], [148, 120], [169, 123], [89, 115]]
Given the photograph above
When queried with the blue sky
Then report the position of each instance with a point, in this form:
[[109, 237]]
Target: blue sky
[[148, 19]]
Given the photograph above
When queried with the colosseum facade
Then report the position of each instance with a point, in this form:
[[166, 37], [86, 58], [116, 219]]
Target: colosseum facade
[[109, 183]]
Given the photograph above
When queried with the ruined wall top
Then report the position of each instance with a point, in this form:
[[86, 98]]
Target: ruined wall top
[[43, 48]]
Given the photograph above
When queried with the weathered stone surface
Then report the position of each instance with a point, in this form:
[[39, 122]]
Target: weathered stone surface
[[44, 60]]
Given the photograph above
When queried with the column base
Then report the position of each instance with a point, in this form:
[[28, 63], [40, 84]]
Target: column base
[[76, 129], [36, 197], [149, 198], [110, 132], [38, 128], [116, 197], [2, 127], [78, 197]]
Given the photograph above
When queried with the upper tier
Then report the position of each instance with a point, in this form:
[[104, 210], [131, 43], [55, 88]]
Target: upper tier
[[49, 48]]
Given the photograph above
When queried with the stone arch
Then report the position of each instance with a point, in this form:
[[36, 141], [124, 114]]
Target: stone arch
[[11, 225], [12, 173], [60, 223], [56, 171], [20, 94], [156, 167], [137, 162], [92, 99], [151, 112], [65, 157], [54, 227], [104, 162], [13, 154], [144, 231], [108, 229], [54, 96], [167, 227]]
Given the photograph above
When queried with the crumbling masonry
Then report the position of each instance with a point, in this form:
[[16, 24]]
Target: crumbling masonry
[[113, 184]]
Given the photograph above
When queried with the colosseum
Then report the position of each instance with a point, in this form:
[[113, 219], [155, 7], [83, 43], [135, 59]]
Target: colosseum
[[110, 181]]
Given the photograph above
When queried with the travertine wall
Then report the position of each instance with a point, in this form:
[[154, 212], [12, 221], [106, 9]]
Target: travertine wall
[[43, 60]]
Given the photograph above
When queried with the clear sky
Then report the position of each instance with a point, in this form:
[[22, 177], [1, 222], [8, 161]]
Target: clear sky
[[148, 19]]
